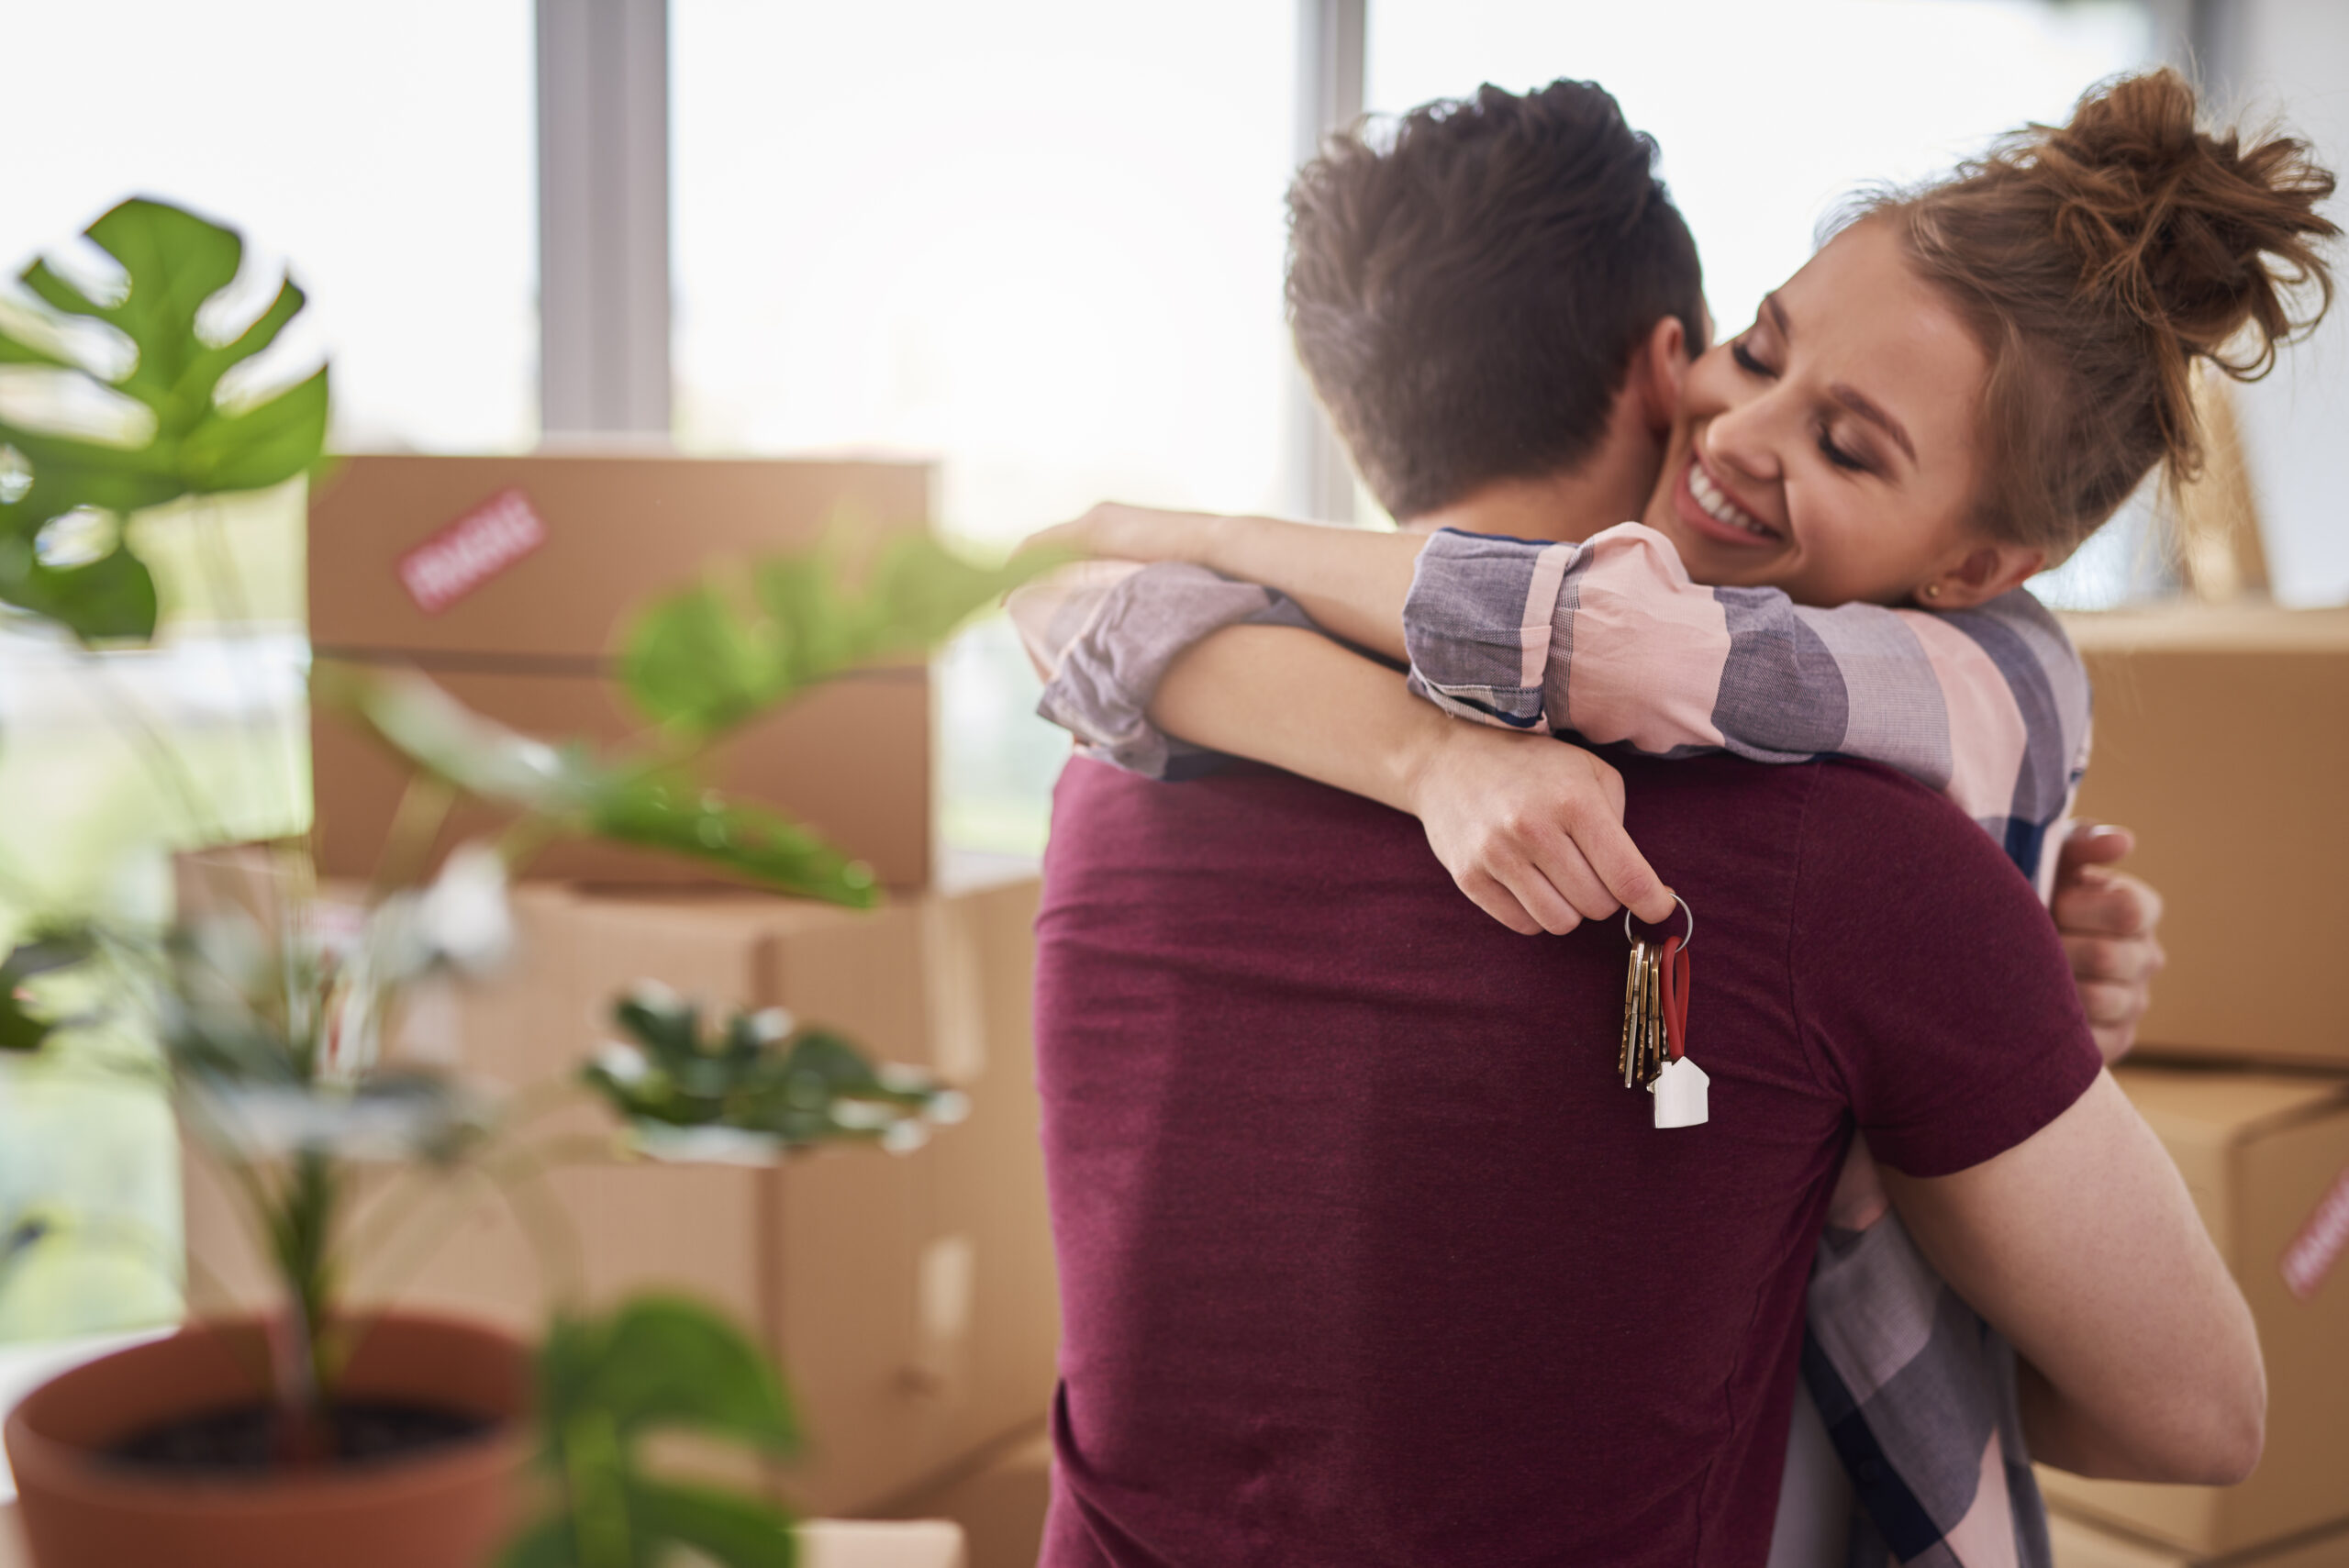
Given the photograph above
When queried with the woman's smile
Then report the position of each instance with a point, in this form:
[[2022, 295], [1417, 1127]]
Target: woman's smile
[[1707, 507], [1831, 449]]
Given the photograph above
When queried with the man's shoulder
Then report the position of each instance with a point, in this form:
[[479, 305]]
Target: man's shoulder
[[1893, 814], [1829, 791], [1234, 795], [1246, 824], [1837, 827]]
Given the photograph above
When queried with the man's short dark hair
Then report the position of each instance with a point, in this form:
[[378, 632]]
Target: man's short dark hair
[[1467, 291]]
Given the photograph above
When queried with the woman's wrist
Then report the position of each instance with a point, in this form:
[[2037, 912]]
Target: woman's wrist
[[1416, 760], [1242, 547]]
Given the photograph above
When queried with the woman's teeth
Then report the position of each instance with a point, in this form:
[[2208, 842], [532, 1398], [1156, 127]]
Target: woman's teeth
[[1719, 507]]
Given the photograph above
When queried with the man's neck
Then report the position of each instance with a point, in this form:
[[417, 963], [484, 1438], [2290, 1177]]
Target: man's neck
[[1569, 506], [1608, 487]]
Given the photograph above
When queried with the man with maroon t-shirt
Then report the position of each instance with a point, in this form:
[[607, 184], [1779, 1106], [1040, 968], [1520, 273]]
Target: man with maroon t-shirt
[[1366, 1254]]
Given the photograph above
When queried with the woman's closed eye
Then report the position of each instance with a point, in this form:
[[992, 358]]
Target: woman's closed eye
[[1752, 364], [1850, 462]]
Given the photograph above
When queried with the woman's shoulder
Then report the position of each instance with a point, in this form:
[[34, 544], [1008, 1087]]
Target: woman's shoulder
[[2043, 668], [2020, 618]]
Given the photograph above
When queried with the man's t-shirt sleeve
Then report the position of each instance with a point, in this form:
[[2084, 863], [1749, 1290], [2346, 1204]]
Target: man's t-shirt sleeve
[[1928, 977]]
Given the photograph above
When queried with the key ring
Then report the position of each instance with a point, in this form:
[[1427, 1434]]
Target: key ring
[[1685, 943]]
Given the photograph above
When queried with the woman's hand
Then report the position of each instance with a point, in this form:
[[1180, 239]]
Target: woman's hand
[[2107, 920], [1532, 828], [1112, 530]]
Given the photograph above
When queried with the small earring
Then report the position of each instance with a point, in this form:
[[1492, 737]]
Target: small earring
[[1932, 590]]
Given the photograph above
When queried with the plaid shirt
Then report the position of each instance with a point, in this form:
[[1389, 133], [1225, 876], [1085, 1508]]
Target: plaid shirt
[[1611, 641]]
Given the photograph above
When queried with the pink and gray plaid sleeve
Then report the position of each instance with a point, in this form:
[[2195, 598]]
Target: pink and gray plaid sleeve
[[1102, 634], [1610, 640]]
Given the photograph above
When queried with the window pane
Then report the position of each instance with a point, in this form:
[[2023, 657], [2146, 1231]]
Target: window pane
[[390, 151], [2293, 61], [1769, 117], [1041, 240], [389, 155]]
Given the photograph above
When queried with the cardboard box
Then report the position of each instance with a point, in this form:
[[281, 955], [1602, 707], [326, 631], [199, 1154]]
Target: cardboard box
[[910, 1299], [2078, 1543], [2222, 738], [506, 579], [2266, 1158], [865, 1543], [999, 1502]]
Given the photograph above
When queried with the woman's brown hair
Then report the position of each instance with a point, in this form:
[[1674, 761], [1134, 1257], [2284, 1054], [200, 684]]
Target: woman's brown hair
[[2098, 262]]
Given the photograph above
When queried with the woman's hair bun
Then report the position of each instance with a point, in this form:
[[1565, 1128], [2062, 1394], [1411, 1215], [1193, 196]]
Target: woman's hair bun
[[2096, 261], [2199, 234]]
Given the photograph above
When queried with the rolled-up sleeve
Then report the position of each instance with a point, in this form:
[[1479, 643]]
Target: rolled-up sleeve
[[1612, 641], [1477, 626], [1105, 641]]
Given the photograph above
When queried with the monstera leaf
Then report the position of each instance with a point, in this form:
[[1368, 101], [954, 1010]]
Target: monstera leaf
[[604, 1384], [654, 812], [730, 647], [576, 791], [435, 732], [24, 1025], [184, 442]]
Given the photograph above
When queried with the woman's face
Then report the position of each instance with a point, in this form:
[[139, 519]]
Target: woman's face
[[1832, 450]]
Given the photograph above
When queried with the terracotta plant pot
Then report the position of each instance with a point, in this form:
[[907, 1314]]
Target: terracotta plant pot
[[449, 1507]]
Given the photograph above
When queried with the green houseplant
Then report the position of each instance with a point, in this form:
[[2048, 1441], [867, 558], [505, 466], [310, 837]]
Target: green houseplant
[[267, 1019]]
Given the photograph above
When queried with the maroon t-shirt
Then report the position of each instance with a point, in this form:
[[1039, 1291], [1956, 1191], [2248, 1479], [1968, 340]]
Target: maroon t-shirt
[[1366, 1254]]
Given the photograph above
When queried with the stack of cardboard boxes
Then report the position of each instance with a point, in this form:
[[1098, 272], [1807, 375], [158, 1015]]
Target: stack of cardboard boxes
[[909, 1298], [2222, 738]]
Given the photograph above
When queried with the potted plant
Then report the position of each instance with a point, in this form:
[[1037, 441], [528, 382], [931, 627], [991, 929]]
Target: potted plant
[[315, 1433]]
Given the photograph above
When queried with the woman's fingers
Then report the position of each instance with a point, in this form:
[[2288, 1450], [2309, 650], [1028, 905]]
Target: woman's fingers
[[2093, 843], [1486, 892], [2114, 1011], [2109, 1002], [1630, 882], [1553, 909], [1596, 828], [1068, 537], [1560, 861], [2130, 960]]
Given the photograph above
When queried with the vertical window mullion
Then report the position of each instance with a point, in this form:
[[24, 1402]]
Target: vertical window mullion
[[604, 226], [1329, 44]]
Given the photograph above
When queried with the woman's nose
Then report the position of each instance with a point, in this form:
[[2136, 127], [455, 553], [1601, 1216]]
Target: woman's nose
[[1745, 438]]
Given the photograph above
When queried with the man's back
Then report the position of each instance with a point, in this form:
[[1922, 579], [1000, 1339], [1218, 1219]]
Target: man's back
[[1367, 1256]]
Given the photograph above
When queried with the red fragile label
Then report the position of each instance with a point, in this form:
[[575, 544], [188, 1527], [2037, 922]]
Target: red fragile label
[[2321, 1243], [472, 550]]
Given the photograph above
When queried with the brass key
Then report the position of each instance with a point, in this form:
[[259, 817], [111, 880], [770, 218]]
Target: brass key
[[1635, 994]]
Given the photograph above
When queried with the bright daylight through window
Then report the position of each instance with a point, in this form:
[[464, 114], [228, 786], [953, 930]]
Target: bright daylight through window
[[390, 153], [1038, 240], [1769, 116]]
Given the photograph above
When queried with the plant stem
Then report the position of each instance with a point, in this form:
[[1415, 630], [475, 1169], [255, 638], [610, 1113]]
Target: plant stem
[[593, 1466], [389, 1214], [415, 824], [300, 1232], [562, 1260]]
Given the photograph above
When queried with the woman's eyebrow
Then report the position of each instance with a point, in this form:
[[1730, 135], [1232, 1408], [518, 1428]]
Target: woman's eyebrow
[[1850, 396]]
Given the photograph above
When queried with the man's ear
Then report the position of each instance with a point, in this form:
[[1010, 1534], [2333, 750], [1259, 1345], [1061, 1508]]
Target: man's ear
[[1981, 574], [1658, 366]]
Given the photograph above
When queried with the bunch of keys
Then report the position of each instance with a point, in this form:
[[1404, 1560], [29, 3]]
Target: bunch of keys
[[1655, 1053]]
